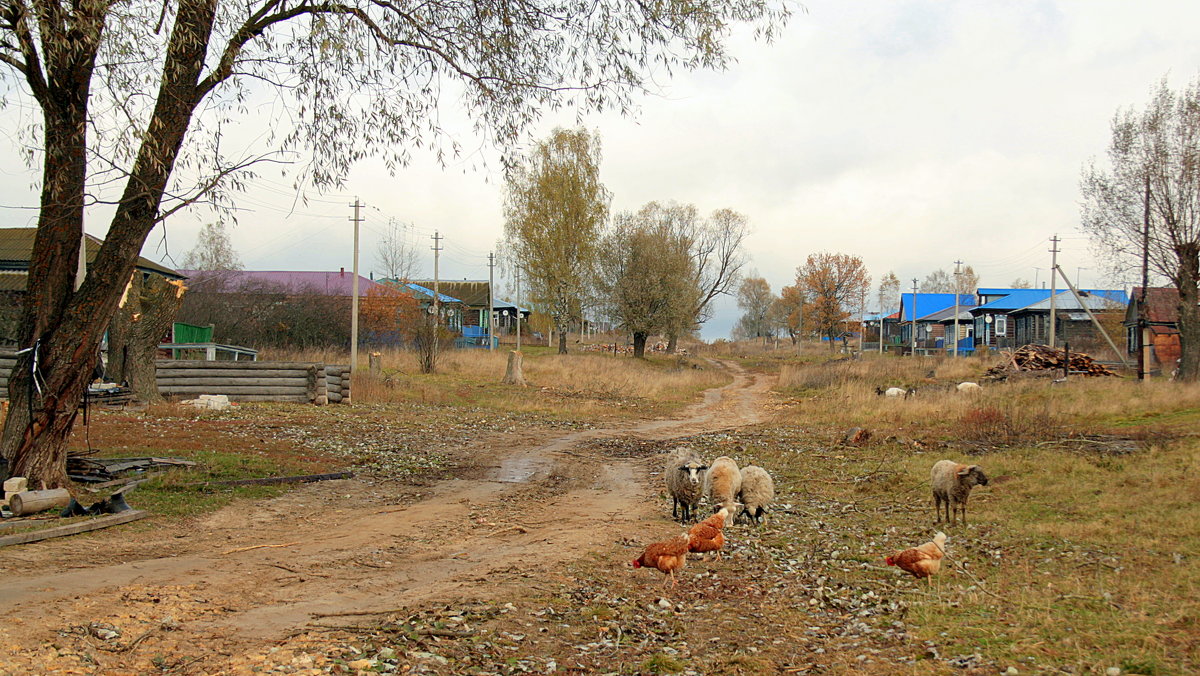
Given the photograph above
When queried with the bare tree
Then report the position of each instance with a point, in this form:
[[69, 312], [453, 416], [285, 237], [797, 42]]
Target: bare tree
[[395, 254], [646, 275], [717, 259], [1020, 283], [128, 94], [213, 251], [1148, 200]]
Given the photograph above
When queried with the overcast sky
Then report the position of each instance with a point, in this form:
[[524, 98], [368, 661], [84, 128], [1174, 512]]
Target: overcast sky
[[910, 133]]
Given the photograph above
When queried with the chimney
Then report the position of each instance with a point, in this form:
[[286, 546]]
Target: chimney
[[343, 272]]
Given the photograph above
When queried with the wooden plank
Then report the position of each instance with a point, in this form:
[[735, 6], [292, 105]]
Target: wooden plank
[[232, 390], [232, 373], [172, 381], [269, 398], [168, 364], [75, 528]]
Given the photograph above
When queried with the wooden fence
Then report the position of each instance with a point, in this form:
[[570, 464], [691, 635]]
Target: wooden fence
[[245, 381]]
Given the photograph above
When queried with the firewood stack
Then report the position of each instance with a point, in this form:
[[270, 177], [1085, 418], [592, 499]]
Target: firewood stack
[[1046, 358]]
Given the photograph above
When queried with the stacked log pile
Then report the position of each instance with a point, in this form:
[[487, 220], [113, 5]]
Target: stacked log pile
[[243, 381], [1034, 358]]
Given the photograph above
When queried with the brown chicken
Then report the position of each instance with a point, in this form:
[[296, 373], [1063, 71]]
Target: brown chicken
[[708, 535], [921, 561], [668, 557]]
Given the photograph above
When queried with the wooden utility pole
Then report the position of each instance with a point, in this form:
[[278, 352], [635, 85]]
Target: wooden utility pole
[[491, 302], [1053, 287], [518, 309], [913, 328], [957, 276], [357, 218], [437, 297]]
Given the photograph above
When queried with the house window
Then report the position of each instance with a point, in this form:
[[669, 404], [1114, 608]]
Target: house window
[[1001, 325]]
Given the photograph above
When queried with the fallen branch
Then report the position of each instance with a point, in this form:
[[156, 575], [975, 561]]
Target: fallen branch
[[72, 529], [246, 549], [520, 529], [270, 481]]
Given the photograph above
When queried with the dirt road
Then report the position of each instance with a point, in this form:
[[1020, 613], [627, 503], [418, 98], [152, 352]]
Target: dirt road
[[249, 577]]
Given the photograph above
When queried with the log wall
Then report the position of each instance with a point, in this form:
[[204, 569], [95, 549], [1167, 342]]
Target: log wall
[[245, 381]]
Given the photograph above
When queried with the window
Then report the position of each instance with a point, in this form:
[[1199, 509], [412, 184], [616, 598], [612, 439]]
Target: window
[[1001, 325]]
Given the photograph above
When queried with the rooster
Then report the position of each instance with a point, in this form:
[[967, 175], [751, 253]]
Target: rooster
[[668, 557], [921, 561], [708, 535]]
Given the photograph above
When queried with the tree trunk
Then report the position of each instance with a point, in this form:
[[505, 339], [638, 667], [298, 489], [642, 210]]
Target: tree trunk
[[639, 345], [63, 324], [137, 329], [562, 339], [514, 375], [672, 343], [1189, 314]]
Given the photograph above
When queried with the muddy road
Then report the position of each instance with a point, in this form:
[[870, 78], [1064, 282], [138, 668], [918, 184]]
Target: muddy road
[[251, 575]]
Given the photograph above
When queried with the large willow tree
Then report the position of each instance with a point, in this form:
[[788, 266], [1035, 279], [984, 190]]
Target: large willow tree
[[134, 98]]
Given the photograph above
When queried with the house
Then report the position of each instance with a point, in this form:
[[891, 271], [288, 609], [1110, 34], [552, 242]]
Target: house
[[290, 282], [1031, 324], [1160, 311], [991, 317], [941, 327], [926, 307], [16, 248], [451, 308], [472, 294]]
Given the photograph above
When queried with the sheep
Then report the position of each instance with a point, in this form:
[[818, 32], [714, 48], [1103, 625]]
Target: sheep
[[895, 392], [758, 490], [722, 483], [969, 387], [683, 474], [952, 483]]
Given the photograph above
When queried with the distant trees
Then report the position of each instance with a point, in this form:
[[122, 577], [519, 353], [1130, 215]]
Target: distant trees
[[1020, 283], [835, 285], [717, 260], [789, 310], [646, 273], [755, 299], [941, 281], [213, 250], [555, 209], [1151, 188]]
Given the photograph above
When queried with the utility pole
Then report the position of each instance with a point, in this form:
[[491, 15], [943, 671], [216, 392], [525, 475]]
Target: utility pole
[[491, 303], [957, 276], [437, 297], [913, 327], [1143, 347], [518, 309], [1053, 286], [357, 219]]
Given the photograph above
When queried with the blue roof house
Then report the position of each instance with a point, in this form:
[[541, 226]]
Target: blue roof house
[[924, 307], [992, 325]]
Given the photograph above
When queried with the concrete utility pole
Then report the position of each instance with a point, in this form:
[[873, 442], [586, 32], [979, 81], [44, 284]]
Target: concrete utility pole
[[437, 305], [357, 219], [913, 337], [957, 276], [1143, 324], [491, 303], [1053, 286]]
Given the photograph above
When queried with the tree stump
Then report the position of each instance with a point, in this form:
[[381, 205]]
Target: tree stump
[[513, 375], [375, 364]]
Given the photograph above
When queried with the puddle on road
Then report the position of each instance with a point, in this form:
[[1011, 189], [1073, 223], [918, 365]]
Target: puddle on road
[[517, 470]]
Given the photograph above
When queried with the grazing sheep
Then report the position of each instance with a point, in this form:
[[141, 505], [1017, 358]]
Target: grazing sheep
[[969, 387], [952, 483], [895, 392], [722, 483], [684, 474], [758, 491]]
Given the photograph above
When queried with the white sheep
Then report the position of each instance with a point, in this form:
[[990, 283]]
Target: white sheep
[[683, 474], [758, 491], [969, 387], [895, 392], [722, 483], [952, 483]]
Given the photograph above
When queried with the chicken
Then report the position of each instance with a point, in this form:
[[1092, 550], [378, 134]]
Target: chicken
[[708, 535], [668, 557], [921, 561]]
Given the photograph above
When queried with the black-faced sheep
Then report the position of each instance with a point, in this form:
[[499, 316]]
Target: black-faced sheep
[[722, 483], [758, 491], [952, 483], [684, 476]]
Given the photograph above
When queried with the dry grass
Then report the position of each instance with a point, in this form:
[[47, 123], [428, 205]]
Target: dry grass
[[578, 384]]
